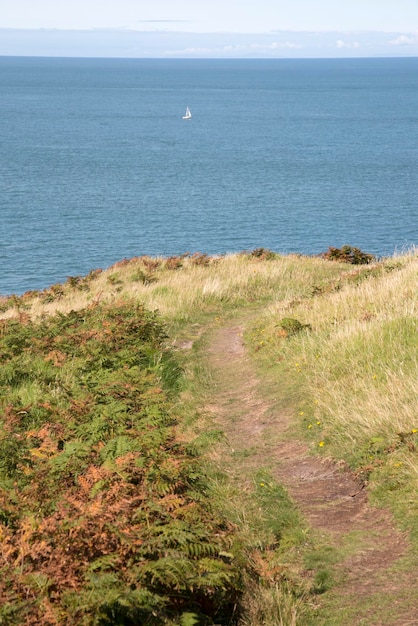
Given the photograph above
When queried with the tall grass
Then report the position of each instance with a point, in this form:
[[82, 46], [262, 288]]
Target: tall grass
[[184, 290], [355, 364]]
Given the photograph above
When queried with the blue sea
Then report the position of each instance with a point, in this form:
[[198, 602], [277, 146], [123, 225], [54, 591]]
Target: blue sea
[[98, 165]]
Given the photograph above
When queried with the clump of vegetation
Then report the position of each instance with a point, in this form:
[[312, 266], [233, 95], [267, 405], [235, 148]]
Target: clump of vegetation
[[114, 279], [123, 263], [144, 277], [263, 254], [74, 281], [93, 274], [151, 264], [291, 326], [174, 262], [348, 254], [199, 258], [81, 283], [145, 270], [19, 303], [4, 304], [104, 513], [53, 293]]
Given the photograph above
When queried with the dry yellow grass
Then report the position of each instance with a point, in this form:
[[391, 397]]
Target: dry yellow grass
[[358, 373], [236, 279]]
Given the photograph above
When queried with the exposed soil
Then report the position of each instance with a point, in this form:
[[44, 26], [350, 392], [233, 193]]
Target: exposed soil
[[329, 497]]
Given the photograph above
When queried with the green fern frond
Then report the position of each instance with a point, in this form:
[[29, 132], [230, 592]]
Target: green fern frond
[[168, 572], [216, 574], [189, 619], [118, 447], [72, 459]]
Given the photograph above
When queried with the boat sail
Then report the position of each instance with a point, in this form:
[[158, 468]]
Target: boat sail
[[187, 115]]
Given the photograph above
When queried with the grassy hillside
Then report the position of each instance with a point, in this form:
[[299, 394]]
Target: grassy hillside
[[352, 351], [110, 511]]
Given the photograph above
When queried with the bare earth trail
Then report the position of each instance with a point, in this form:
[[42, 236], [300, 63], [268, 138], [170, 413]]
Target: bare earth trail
[[330, 499]]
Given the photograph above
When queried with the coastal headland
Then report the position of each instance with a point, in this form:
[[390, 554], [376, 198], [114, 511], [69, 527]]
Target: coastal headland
[[212, 440]]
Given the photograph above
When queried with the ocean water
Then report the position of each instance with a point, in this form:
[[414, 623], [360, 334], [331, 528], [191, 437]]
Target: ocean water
[[97, 165]]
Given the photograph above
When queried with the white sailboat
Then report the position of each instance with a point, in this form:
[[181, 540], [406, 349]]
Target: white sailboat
[[187, 115]]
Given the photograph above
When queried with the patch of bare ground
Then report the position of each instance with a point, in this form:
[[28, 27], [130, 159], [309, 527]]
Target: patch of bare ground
[[330, 498]]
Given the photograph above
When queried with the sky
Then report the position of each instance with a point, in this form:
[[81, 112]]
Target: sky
[[209, 28]]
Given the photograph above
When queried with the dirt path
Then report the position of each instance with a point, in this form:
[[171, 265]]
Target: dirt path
[[332, 501]]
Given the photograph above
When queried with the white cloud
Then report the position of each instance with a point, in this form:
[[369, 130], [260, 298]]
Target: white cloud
[[276, 45], [347, 44], [192, 52], [235, 50], [402, 40], [286, 44]]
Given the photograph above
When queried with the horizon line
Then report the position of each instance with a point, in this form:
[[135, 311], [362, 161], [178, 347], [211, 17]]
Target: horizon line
[[132, 29], [208, 58]]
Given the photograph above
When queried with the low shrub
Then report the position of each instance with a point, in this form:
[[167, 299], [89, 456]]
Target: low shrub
[[174, 262], [263, 254], [348, 254], [291, 326]]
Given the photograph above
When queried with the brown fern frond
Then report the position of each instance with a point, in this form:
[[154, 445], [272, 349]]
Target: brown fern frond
[[57, 357]]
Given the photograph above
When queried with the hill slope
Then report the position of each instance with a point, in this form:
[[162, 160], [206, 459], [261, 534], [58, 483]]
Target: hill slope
[[113, 418]]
